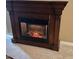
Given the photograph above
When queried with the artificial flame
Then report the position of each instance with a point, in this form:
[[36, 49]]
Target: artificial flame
[[36, 34]]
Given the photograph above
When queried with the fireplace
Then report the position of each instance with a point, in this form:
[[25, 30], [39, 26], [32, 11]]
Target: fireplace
[[33, 29], [36, 23]]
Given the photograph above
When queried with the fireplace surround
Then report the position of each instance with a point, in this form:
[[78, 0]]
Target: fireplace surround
[[36, 22]]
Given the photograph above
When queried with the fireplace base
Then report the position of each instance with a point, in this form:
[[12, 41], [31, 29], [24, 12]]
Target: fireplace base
[[44, 45]]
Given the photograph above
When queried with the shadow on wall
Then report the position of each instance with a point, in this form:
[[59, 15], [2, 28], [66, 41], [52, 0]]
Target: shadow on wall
[[8, 24]]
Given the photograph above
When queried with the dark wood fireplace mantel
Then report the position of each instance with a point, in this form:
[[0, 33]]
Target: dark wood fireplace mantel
[[45, 10]]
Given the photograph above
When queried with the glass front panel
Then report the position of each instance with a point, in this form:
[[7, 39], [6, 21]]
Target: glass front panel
[[37, 31], [33, 32]]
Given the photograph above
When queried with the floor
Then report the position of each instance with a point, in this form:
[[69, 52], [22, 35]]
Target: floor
[[65, 52]]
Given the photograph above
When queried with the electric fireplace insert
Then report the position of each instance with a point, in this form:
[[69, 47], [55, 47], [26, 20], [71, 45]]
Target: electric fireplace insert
[[36, 23], [33, 29]]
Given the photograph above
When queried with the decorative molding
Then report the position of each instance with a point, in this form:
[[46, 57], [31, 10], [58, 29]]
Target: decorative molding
[[57, 11]]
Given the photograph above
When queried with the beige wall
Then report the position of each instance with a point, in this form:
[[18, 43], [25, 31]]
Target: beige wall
[[66, 30], [66, 23]]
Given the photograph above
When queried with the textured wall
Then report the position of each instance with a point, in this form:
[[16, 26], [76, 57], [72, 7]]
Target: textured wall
[[66, 23]]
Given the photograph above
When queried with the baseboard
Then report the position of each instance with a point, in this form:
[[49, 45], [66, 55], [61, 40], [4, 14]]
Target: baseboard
[[66, 43]]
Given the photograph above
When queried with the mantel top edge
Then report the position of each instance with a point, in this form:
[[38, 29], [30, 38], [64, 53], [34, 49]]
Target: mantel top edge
[[42, 0]]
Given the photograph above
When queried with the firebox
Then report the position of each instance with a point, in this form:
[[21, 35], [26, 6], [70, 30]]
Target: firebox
[[36, 22], [33, 29]]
